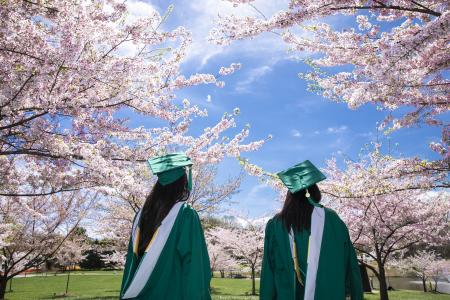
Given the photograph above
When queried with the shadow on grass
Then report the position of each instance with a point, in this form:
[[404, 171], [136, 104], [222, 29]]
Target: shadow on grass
[[99, 298], [219, 292], [71, 297], [80, 298]]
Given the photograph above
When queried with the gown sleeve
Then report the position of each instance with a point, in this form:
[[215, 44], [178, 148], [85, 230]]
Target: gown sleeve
[[195, 260], [353, 284], [267, 284]]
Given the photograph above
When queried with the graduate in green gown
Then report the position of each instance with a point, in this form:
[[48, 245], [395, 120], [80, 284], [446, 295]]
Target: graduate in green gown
[[307, 249], [167, 257]]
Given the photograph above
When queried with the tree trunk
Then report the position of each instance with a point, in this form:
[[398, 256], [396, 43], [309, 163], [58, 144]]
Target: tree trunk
[[367, 287], [3, 283], [67, 284], [253, 282], [383, 286], [424, 284], [222, 274]]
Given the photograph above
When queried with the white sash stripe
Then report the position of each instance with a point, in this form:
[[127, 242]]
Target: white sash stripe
[[135, 225], [150, 258], [317, 225]]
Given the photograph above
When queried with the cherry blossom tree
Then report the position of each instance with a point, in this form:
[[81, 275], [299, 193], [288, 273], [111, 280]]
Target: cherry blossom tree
[[207, 194], [70, 253], [427, 266], [439, 269], [387, 206], [5, 232], [69, 71], [419, 264], [246, 245], [116, 258], [38, 227], [396, 53], [220, 259]]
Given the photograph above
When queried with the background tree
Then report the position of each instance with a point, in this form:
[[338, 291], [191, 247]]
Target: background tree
[[246, 245], [70, 254], [439, 269], [116, 259], [38, 227], [419, 264], [388, 207], [220, 259], [207, 195]]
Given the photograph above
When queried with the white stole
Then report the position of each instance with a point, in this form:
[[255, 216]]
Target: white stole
[[315, 242], [150, 258]]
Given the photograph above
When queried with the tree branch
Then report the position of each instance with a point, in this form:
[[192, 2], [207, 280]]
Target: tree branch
[[390, 7]]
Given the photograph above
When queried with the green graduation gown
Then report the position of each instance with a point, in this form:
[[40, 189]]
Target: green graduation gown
[[176, 263], [332, 270]]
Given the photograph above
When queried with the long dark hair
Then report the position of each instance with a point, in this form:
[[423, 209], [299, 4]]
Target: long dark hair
[[156, 207], [296, 212]]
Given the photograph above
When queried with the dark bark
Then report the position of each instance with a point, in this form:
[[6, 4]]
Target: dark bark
[[3, 283], [253, 282], [424, 284], [222, 274], [67, 284], [382, 278], [365, 278]]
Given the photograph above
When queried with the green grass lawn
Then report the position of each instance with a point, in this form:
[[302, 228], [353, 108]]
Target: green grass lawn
[[105, 285]]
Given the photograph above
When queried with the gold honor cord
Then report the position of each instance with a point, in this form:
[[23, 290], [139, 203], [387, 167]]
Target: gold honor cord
[[297, 269], [138, 236], [136, 241]]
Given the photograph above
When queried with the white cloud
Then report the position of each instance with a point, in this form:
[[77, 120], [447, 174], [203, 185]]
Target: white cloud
[[200, 16], [310, 105], [339, 129], [296, 133], [253, 194], [252, 76], [136, 10], [368, 135], [139, 9]]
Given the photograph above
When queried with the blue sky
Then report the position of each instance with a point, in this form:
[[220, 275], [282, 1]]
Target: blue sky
[[273, 100]]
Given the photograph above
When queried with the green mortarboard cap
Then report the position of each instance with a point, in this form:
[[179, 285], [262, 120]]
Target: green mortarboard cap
[[171, 167], [301, 176]]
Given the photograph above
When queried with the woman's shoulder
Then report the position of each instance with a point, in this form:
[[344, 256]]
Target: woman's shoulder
[[333, 216], [273, 223], [329, 212], [187, 211]]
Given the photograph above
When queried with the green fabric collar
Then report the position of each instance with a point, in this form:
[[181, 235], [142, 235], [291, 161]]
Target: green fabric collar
[[313, 203]]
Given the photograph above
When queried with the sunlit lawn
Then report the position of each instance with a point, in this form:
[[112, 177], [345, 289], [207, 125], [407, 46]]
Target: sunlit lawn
[[105, 285]]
